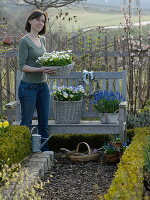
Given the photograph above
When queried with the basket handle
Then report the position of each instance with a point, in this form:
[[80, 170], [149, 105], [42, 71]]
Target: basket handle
[[89, 150]]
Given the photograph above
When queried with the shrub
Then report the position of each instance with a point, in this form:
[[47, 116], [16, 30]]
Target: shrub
[[70, 141], [130, 134], [142, 119], [16, 183], [15, 144], [128, 181], [147, 155]]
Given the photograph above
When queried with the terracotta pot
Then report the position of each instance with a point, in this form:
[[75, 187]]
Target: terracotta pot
[[7, 39], [118, 144], [112, 158]]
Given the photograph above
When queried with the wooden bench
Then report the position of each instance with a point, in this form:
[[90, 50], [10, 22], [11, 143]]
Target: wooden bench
[[115, 81]]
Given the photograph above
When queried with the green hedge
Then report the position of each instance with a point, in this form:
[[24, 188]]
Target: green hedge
[[15, 144], [128, 181], [70, 141]]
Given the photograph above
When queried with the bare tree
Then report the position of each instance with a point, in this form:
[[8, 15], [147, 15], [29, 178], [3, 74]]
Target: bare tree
[[45, 4]]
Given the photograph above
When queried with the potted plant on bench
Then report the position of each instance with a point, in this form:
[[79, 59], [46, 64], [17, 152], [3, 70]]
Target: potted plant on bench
[[67, 104], [107, 105]]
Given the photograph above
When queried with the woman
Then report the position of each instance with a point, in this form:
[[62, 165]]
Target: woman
[[33, 90]]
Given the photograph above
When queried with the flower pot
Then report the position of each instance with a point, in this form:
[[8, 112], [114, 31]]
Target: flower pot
[[67, 112], [61, 70], [109, 118], [118, 144], [7, 40], [112, 158]]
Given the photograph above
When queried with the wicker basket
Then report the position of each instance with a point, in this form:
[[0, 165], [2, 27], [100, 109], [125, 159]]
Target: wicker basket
[[61, 70], [67, 112], [84, 157]]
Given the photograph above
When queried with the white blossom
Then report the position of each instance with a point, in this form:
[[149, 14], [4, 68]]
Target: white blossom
[[65, 94], [54, 55]]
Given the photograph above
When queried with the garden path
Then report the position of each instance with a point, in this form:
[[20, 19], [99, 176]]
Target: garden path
[[77, 181]]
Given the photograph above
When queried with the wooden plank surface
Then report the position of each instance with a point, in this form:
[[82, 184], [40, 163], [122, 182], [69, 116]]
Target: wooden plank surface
[[85, 127]]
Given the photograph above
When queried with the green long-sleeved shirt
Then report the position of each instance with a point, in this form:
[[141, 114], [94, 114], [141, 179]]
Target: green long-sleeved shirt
[[28, 55]]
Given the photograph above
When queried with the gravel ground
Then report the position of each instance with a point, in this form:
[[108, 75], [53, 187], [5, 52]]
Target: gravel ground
[[77, 181]]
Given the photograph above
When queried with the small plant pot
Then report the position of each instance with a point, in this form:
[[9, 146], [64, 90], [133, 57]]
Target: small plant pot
[[109, 118], [112, 158], [7, 40], [118, 144]]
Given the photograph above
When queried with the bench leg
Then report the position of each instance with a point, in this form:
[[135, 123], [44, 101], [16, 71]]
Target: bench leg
[[10, 113], [122, 120], [122, 131]]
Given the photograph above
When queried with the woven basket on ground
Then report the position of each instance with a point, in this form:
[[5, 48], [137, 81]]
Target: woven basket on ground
[[61, 70], [67, 112], [83, 157]]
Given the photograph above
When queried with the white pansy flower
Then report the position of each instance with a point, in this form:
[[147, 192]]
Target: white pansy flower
[[65, 94], [59, 89], [50, 57], [68, 92]]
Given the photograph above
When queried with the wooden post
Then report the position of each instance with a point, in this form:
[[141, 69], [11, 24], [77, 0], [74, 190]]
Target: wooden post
[[115, 58], [123, 45], [91, 51], [8, 79], [83, 52], [74, 43], [106, 56]]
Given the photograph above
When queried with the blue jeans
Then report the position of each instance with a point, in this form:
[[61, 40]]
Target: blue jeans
[[35, 96]]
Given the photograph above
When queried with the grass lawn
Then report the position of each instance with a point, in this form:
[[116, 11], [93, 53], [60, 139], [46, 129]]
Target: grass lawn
[[89, 18]]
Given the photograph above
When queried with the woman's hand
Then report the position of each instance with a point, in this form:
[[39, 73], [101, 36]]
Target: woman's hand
[[48, 70]]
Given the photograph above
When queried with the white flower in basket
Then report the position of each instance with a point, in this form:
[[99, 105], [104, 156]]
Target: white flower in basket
[[60, 61], [67, 104]]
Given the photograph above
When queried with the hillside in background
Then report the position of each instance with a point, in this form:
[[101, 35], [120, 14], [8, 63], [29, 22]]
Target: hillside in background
[[93, 15], [144, 4]]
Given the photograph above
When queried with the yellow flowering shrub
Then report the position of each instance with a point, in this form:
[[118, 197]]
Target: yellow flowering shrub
[[128, 181], [15, 145], [23, 186], [4, 124]]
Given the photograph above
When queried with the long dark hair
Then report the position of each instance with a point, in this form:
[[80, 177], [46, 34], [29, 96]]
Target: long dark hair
[[34, 15]]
